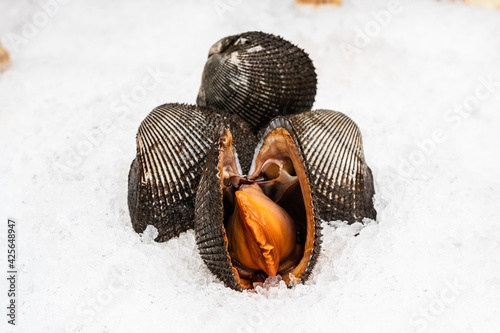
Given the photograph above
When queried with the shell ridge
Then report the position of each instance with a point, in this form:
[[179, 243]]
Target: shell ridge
[[335, 169], [319, 132], [173, 141], [325, 156], [156, 187], [343, 177], [164, 167], [336, 163]]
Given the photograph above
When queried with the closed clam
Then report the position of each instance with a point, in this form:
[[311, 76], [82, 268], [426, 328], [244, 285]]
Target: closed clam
[[258, 76]]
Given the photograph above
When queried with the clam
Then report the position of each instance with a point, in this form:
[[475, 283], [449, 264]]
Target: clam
[[257, 76], [172, 144], [306, 168], [256, 206]]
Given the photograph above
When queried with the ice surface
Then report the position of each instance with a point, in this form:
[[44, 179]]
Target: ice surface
[[80, 85]]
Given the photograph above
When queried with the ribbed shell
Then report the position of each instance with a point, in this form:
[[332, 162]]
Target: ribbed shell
[[333, 151], [172, 145], [209, 216], [209, 221], [258, 76]]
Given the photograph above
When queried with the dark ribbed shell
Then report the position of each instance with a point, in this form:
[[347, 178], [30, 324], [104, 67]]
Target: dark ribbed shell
[[209, 215], [172, 145], [258, 76], [209, 221], [333, 150]]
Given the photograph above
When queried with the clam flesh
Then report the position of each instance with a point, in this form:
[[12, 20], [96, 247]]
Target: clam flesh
[[257, 76]]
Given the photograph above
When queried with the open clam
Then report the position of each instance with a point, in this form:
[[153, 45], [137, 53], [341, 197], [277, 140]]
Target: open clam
[[258, 76], [267, 223]]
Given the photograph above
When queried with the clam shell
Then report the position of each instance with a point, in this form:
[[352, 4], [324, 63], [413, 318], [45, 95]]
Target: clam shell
[[209, 221], [258, 76], [211, 236], [333, 151], [172, 145]]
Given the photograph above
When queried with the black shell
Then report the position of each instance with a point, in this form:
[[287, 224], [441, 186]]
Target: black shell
[[333, 150], [209, 221], [258, 76], [172, 144]]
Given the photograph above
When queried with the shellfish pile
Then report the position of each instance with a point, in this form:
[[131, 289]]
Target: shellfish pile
[[250, 168]]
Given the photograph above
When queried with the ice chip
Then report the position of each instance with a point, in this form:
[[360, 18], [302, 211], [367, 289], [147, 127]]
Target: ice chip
[[149, 234]]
